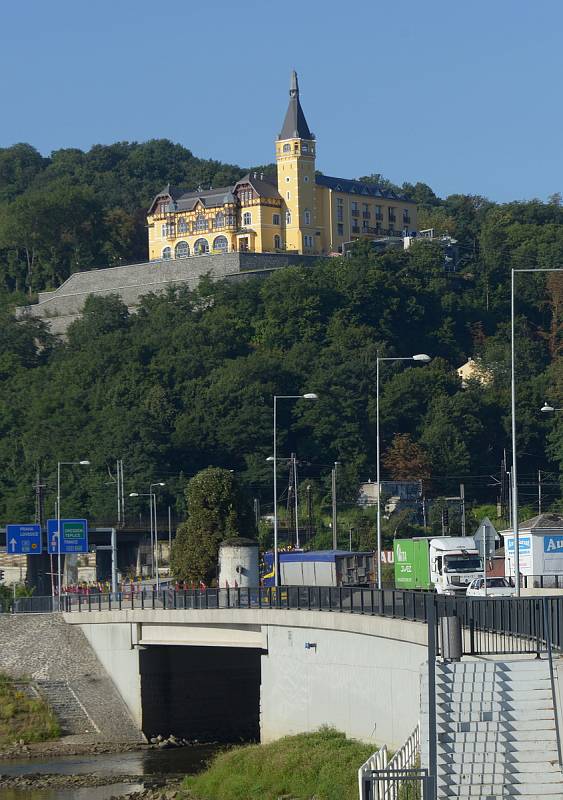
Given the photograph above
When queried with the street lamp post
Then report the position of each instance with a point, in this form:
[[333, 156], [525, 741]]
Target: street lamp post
[[155, 528], [83, 463], [513, 426], [152, 520], [419, 357], [307, 396]]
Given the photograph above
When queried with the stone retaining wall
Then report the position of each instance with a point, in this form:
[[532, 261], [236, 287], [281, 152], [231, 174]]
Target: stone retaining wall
[[133, 281]]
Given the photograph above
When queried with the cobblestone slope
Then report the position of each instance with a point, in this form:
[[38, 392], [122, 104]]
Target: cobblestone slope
[[46, 649]]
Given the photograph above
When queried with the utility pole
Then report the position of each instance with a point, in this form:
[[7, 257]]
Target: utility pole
[[257, 512], [462, 507], [296, 499], [539, 491], [334, 512], [39, 497], [169, 536], [309, 513]]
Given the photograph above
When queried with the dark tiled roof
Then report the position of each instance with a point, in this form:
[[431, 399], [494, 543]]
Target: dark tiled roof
[[263, 186], [359, 188], [295, 125]]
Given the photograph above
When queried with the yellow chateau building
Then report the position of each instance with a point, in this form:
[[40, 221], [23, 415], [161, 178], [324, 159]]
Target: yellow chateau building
[[302, 213]]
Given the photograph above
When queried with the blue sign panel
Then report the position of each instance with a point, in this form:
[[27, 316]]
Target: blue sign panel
[[74, 536], [553, 544], [23, 540], [525, 545]]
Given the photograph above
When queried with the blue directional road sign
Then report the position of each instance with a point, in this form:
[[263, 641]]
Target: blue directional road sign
[[23, 539], [74, 536]]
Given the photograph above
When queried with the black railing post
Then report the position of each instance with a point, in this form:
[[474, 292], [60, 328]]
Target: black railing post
[[153, 598], [80, 602], [340, 598], [120, 600], [99, 601]]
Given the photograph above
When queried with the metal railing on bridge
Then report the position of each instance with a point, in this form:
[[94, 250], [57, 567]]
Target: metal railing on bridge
[[490, 625]]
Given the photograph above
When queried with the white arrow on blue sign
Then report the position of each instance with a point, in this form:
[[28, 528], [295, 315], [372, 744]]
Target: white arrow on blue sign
[[23, 540], [74, 536]]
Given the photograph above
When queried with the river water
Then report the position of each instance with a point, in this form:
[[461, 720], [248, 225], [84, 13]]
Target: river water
[[147, 764]]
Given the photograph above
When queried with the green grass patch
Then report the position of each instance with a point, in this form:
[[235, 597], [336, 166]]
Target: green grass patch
[[23, 716], [321, 765]]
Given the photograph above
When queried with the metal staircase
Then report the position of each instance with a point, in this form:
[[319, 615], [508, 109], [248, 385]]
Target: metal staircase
[[496, 731]]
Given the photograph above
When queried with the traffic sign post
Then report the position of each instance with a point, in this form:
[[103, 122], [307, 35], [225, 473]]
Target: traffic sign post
[[74, 536], [485, 537], [23, 540]]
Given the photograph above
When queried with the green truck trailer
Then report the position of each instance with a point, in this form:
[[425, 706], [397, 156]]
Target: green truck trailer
[[412, 564]]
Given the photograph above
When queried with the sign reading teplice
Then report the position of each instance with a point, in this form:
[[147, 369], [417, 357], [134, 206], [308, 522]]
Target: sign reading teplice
[[73, 535]]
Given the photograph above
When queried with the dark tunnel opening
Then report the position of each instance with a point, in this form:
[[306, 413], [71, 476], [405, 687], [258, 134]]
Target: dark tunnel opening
[[211, 694]]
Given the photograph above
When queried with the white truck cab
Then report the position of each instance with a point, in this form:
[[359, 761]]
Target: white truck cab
[[454, 563]]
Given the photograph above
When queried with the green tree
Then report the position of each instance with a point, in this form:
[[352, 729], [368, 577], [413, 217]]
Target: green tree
[[217, 510]]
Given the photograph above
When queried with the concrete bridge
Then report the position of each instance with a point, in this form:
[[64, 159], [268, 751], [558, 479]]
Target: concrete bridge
[[261, 673]]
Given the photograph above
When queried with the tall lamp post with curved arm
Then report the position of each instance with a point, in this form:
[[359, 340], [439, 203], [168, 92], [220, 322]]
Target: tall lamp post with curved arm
[[423, 358], [514, 474], [306, 396], [83, 463]]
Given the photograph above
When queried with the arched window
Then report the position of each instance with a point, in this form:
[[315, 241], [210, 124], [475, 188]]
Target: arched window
[[167, 253], [288, 217], [247, 218], [287, 148], [182, 225], [220, 243], [307, 216], [200, 223], [201, 246], [277, 242], [219, 220], [182, 250]]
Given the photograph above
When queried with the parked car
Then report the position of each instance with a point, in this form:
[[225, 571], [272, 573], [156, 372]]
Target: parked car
[[496, 587]]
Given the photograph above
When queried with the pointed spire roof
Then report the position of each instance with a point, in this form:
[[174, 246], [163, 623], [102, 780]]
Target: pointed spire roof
[[295, 125]]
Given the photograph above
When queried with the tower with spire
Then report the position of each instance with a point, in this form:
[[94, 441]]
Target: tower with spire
[[295, 158]]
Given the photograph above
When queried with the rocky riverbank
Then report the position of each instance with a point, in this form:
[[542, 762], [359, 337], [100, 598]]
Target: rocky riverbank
[[67, 746], [156, 787]]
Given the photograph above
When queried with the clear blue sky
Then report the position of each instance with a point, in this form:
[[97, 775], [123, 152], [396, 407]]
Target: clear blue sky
[[463, 96]]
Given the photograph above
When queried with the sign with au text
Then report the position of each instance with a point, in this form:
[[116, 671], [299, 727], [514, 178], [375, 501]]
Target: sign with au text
[[23, 540], [73, 534]]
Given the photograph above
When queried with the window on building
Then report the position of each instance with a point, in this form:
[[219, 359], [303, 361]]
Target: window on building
[[340, 229], [287, 148], [201, 246], [163, 230], [219, 220], [220, 243], [406, 216], [167, 253], [391, 212], [287, 179], [276, 220], [230, 219], [246, 195], [304, 147], [307, 216], [289, 195], [182, 225], [247, 218], [288, 217], [308, 241], [200, 223], [182, 250], [354, 205], [277, 242], [306, 178], [162, 206], [339, 209], [378, 213]]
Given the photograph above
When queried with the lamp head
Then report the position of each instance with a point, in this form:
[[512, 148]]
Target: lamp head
[[133, 494], [84, 463], [310, 396], [270, 458], [547, 409], [422, 357]]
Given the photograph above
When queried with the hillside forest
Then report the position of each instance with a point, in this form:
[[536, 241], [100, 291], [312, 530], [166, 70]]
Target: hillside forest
[[187, 381]]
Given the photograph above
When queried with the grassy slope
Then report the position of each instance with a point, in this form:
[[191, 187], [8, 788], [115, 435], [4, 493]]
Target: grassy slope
[[323, 765], [24, 717]]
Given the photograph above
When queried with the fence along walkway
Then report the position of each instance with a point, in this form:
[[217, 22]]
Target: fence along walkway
[[397, 779]]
